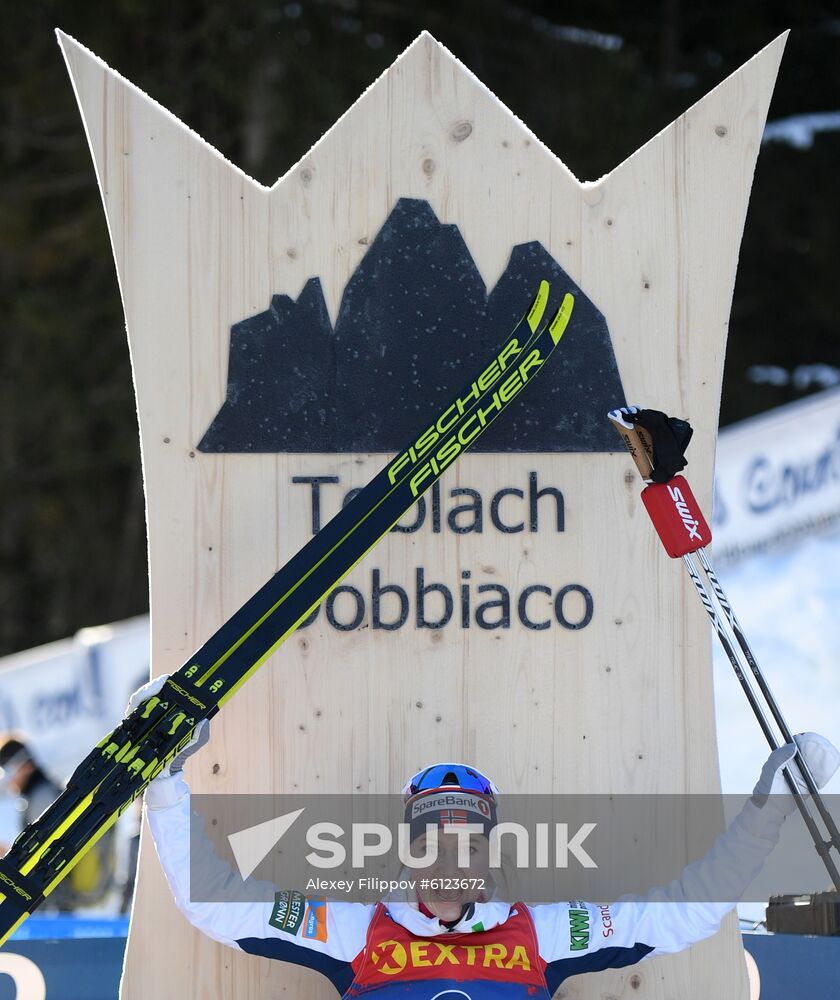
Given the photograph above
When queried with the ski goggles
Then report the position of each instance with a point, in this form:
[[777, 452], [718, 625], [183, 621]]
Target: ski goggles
[[443, 775]]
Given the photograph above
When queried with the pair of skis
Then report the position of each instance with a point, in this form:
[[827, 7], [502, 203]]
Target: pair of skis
[[684, 533], [123, 763]]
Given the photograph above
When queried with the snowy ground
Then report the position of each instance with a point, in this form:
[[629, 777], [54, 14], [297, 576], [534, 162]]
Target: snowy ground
[[788, 603]]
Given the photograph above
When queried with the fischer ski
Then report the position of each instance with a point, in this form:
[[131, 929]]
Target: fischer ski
[[683, 531], [123, 763]]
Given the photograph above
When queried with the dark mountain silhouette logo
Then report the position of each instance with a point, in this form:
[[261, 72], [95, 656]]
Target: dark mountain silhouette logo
[[415, 325]]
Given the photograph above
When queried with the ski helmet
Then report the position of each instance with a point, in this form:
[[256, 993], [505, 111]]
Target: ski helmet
[[448, 794]]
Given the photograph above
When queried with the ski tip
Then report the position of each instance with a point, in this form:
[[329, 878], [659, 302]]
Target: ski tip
[[535, 313], [561, 317]]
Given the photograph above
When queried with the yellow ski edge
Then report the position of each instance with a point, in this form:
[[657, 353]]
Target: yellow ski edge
[[14, 926], [562, 317], [535, 314]]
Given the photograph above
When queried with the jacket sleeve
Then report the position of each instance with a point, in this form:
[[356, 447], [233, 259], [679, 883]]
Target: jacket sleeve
[[586, 937], [324, 935]]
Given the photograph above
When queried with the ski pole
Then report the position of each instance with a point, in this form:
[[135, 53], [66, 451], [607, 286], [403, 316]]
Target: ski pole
[[741, 638], [683, 531], [822, 846]]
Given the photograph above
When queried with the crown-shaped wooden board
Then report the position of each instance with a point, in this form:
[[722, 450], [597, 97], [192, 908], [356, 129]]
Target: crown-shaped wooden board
[[285, 339]]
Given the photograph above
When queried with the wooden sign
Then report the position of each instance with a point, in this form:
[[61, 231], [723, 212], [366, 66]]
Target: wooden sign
[[285, 339]]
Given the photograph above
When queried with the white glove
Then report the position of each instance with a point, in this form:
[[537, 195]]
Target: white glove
[[822, 758], [620, 416], [201, 733]]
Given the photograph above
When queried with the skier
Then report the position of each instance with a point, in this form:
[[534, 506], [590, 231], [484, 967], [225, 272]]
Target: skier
[[22, 776], [467, 942]]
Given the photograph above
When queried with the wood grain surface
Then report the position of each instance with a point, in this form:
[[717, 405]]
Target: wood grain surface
[[622, 705]]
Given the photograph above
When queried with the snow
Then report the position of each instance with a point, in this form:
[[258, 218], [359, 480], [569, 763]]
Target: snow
[[788, 603], [577, 36], [799, 130]]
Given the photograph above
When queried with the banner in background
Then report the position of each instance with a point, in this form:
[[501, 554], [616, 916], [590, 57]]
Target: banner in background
[[65, 696], [777, 477]]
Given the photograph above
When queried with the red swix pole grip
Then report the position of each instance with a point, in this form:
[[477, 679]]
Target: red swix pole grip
[[677, 517]]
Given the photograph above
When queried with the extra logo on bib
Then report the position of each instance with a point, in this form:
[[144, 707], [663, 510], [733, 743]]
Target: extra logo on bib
[[505, 955], [394, 958]]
